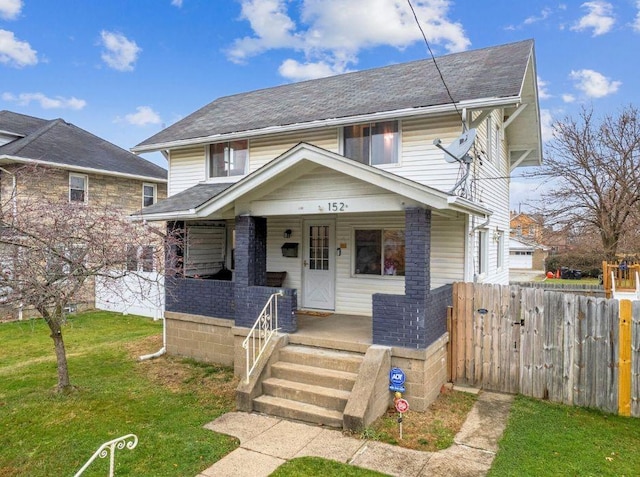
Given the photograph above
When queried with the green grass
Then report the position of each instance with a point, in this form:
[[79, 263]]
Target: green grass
[[547, 439], [319, 466], [43, 433]]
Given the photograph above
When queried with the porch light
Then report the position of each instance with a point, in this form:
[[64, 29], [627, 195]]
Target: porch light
[[287, 233]]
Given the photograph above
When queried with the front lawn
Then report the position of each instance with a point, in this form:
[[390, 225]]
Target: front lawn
[[548, 439], [165, 402]]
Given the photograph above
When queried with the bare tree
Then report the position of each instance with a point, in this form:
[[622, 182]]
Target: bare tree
[[593, 175], [52, 251]]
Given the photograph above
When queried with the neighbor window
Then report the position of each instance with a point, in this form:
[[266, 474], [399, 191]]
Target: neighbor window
[[228, 159], [78, 188], [140, 258], [149, 194], [379, 252], [372, 143]]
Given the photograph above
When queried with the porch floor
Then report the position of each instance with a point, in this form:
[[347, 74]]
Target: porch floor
[[336, 331]]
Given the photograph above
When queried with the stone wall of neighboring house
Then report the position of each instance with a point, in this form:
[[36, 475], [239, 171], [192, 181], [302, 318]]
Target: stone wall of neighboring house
[[53, 184]]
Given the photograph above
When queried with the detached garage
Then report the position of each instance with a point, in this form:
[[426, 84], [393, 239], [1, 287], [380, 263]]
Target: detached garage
[[526, 255]]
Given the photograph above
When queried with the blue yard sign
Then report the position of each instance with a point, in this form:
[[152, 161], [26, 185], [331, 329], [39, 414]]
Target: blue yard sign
[[396, 380]]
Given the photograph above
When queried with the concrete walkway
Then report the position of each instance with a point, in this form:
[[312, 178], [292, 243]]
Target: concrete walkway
[[268, 442]]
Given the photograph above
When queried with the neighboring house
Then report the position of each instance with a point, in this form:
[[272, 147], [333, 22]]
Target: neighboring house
[[78, 166], [527, 255], [338, 183], [526, 226]]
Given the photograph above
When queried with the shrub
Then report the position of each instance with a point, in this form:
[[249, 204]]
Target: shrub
[[589, 264]]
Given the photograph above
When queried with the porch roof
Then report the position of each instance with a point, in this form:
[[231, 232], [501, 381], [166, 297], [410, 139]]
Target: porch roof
[[211, 200]]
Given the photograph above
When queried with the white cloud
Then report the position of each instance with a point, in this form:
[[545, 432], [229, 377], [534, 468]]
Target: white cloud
[[10, 9], [544, 14], [143, 116], [24, 99], [594, 84], [546, 125], [120, 53], [176, 3], [600, 18], [543, 93], [14, 52], [331, 33], [568, 98]]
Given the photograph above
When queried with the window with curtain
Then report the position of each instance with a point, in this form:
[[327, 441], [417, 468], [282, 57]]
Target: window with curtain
[[228, 159], [372, 143], [379, 252]]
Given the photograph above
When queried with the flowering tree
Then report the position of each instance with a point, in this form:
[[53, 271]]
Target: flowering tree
[[52, 250]]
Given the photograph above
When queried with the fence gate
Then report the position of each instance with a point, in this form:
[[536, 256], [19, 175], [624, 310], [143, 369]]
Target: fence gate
[[577, 350], [485, 338]]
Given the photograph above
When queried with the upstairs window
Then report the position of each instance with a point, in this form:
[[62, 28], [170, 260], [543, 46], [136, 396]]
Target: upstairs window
[[372, 143], [140, 258], [78, 188], [149, 194], [228, 159]]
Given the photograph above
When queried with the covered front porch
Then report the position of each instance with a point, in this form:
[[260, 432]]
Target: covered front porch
[[349, 239]]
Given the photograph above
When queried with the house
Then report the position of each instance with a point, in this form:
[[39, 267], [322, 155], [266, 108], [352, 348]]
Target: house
[[78, 166], [337, 185]]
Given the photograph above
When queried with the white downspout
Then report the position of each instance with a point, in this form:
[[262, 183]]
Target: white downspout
[[162, 350]]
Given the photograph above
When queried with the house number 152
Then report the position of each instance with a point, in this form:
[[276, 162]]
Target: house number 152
[[337, 206]]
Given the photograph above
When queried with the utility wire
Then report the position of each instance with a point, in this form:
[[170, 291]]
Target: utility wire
[[464, 126]]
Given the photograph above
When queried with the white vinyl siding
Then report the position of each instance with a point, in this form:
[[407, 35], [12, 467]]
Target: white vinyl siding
[[447, 250], [187, 167], [353, 293], [421, 160], [265, 149]]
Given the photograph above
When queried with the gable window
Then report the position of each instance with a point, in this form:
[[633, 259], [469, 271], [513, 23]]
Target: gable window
[[379, 252], [149, 194], [228, 159], [372, 143], [78, 188]]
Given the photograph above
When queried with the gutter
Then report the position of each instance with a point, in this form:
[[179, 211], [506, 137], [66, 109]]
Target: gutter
[[396, 114], [22, 160]]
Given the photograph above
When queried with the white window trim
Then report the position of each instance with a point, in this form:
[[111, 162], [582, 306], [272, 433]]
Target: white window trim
[[499, 238], [352, 265], [207, 166], [482, 250], [155, 192], [85, 177], [393, 165]]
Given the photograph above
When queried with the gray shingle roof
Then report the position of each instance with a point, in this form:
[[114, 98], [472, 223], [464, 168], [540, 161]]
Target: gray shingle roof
[[187, 199], [61, 143], [495, 72]]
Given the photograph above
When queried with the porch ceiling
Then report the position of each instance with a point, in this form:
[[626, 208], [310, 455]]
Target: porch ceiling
[[310, 180]]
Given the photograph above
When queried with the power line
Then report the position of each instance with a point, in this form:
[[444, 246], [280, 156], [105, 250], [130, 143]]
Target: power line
[[464, 126]]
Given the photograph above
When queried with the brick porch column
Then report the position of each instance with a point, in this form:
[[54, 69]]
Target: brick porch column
[[399, 320]]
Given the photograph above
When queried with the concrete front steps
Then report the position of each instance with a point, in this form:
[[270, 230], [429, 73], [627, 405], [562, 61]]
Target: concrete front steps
[[309, 384]]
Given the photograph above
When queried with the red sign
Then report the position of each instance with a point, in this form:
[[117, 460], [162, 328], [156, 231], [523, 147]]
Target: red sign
[[402, 405]]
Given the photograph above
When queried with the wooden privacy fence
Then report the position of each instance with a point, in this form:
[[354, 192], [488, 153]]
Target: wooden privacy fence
[[577, 350]]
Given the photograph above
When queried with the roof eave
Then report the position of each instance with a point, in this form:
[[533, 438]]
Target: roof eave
[[8, 159], [394, 114]]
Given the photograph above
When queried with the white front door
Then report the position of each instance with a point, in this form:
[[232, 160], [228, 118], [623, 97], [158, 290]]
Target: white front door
[[318, 265]]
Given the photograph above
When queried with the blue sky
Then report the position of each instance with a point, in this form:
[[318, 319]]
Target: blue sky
[[125, 69]]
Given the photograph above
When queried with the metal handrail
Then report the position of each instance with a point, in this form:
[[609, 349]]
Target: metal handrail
[[130, 441], [263, 329]]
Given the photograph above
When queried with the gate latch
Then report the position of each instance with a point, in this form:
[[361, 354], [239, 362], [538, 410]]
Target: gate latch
[[521, 322]]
